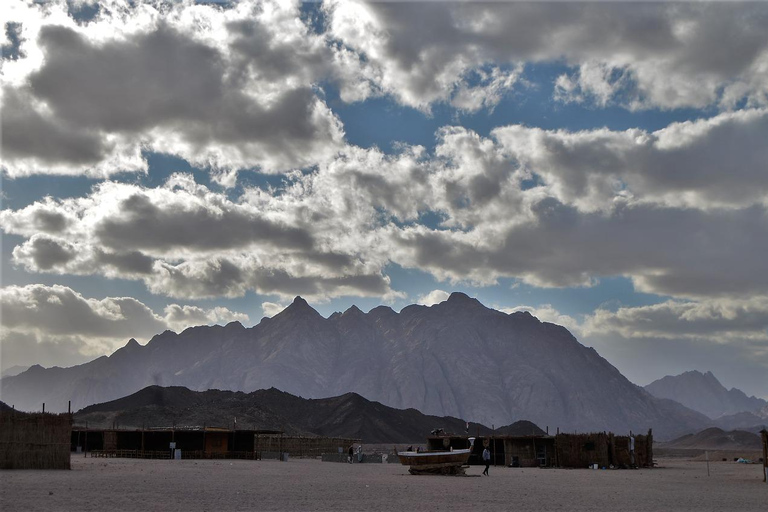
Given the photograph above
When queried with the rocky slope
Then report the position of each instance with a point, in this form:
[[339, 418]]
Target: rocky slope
[[349, 415], [457, 358], [702, 392]]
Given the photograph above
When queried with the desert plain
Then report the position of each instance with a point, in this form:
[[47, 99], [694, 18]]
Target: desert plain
[[307, 484]]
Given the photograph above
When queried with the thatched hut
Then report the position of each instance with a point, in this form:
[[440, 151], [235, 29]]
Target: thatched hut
[[604, 449], [562, 450], [34, 441], [200, 443]]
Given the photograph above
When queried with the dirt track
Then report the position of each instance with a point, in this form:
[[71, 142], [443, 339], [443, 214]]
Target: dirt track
[[141, 485]]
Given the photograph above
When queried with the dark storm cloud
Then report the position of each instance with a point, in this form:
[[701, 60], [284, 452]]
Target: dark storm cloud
[[673, 54], [133, 262], [145, 225], [29, 134], [44, 253], [665, 250], [165, 79], [222, 277], [158, 78], [94, 103]]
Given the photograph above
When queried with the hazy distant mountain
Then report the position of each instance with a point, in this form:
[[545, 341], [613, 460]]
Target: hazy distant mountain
[[702, 392], [717, 439], [349, 415], [747, 421], [457, 358], [13, 370]]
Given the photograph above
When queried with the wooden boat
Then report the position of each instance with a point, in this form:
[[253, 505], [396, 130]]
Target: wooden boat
[[436, 462]]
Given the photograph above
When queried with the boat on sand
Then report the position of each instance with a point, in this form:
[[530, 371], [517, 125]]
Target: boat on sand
[[451, 462]]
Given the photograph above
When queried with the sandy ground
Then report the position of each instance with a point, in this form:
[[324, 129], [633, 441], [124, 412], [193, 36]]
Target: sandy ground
[[141, 485]]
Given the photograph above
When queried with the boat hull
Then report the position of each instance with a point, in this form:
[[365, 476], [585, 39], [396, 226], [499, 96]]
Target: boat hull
[[416, 459]]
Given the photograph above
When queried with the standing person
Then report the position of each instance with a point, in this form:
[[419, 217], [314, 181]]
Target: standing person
[[351, 453], [359, 453], [487, 460]]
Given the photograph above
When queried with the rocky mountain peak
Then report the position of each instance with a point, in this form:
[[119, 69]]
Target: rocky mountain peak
[[353, 311], [461, 301], [299, 306]]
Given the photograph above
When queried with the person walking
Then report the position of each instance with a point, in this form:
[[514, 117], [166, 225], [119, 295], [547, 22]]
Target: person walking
[[351, 453], [487, 460]]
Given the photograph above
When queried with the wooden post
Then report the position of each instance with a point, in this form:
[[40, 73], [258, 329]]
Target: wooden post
[[494, 444], [706, 454], [765, 455], [612, 444], [649, 448]]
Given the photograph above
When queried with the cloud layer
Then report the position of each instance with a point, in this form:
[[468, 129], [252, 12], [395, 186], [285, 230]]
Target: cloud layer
[[240, 86], [225, 88], [681, 211], [639, 55]]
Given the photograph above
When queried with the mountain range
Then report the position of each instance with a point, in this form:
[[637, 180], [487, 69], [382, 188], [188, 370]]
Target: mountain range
[[702, 392], [457, 358], [714, 438], [348, 415]]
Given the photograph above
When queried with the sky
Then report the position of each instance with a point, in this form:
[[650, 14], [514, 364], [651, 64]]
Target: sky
[[601, 165]]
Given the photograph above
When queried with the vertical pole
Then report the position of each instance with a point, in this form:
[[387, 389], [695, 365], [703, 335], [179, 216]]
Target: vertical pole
[[706, 454], [43, 407], [765, 454], [494, 444], [69, 407]]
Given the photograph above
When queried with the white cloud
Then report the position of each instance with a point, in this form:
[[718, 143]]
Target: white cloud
[[229, 88], [65, 327], [270, 309], [185, 240], [708, 163], [681, 211], [433, 297], [547, 313], [640, 55], [179, 317], [715, 320]]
